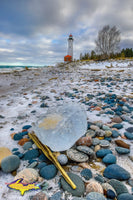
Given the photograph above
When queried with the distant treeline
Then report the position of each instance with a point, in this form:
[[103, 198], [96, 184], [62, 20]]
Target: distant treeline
[[125, 53]]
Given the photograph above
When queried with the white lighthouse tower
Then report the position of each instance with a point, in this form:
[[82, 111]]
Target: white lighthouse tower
[[70, 46]]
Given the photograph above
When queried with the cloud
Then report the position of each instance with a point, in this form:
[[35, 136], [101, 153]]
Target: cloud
[[36, 31]]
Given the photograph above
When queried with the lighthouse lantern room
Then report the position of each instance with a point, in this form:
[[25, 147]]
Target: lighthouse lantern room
[[69, 57]]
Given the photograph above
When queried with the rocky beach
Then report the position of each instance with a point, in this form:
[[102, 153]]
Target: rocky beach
[[100, 162]]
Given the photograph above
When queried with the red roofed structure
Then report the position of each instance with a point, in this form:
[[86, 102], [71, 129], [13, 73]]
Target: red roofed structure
[[67, 58]]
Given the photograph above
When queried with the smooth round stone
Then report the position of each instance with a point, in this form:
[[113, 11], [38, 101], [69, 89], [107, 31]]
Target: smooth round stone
[[123, 144], [29, 155], [48, 172], [95, 196], [110, 194], [86, 150], [107, 186], [10, 163], [108, 133], [76, 168], [86, 173], [99, 178], [29, 175], [94, 186], [118, 186], [104, 143], [56, 196], [109, 159], [41, 165], [122, 150], [27, 145], [105, 128], [32, 165], [116, 119], [95, 141], [103, 152], [4, 152], [129, 135], [93, 127], [97, 148], [17, 136], [130, 129], [118, 126], [100, 133], [77, 156], [62, 159], [40, 196], [130, 182], [90, 133], [115, 134], [80, 187], [125, 196], [87, 141], [114, 171], [26, 127]]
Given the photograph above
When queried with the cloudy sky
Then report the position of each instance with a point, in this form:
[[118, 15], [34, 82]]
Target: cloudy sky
[[35, 32]]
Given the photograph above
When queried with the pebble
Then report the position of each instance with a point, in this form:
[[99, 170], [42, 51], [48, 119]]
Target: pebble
[[94, 186], [100, 133], [86, 173], [122, 144], [90, 133], [114, 171], [122, 150], [107, 186], [115, 134], [105, 128], [99, 178], [27, 145], [41, 165], [95, 196], [110, 194], [87, 141], [29, 155], [118, 186], [62, 159], [109, 159], [125, 196], [108, 133], [93, 127], [86, 150], [48, 172], [80, 187], [33, 164], [23, 141], [104, 143], [39, 196], [97, 148], [95, 141], [29, 175], [130, 129], [128, 135], [4, 152], [130, 182], [118, 126], [10, 163], [26, 127], [117, 119], [103, 152], [56, 196], [77, 156]]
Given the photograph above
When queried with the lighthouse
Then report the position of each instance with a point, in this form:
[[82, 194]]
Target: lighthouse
[[69, 56]]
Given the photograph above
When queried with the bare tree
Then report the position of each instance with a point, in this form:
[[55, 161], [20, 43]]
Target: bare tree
[[108, 40]]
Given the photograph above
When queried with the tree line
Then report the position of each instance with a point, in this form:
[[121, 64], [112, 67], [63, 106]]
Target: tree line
[[124, 53], [107, 46]]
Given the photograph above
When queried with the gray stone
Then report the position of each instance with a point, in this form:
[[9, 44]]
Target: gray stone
[[77, 156], [118, 186], [10, 163], [85, 149], [27, 145], [80, 187], [62, 159], [104, 143], [95, 141], [95, 196]]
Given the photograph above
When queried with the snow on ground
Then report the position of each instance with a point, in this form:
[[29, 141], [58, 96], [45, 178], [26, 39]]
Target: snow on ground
[[28, 87]]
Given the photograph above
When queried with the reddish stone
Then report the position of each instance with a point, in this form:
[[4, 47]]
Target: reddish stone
[[87, 141], [23, 141], [122, 144]]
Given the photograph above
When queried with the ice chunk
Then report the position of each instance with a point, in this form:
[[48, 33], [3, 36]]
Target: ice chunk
[[62, 126]]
